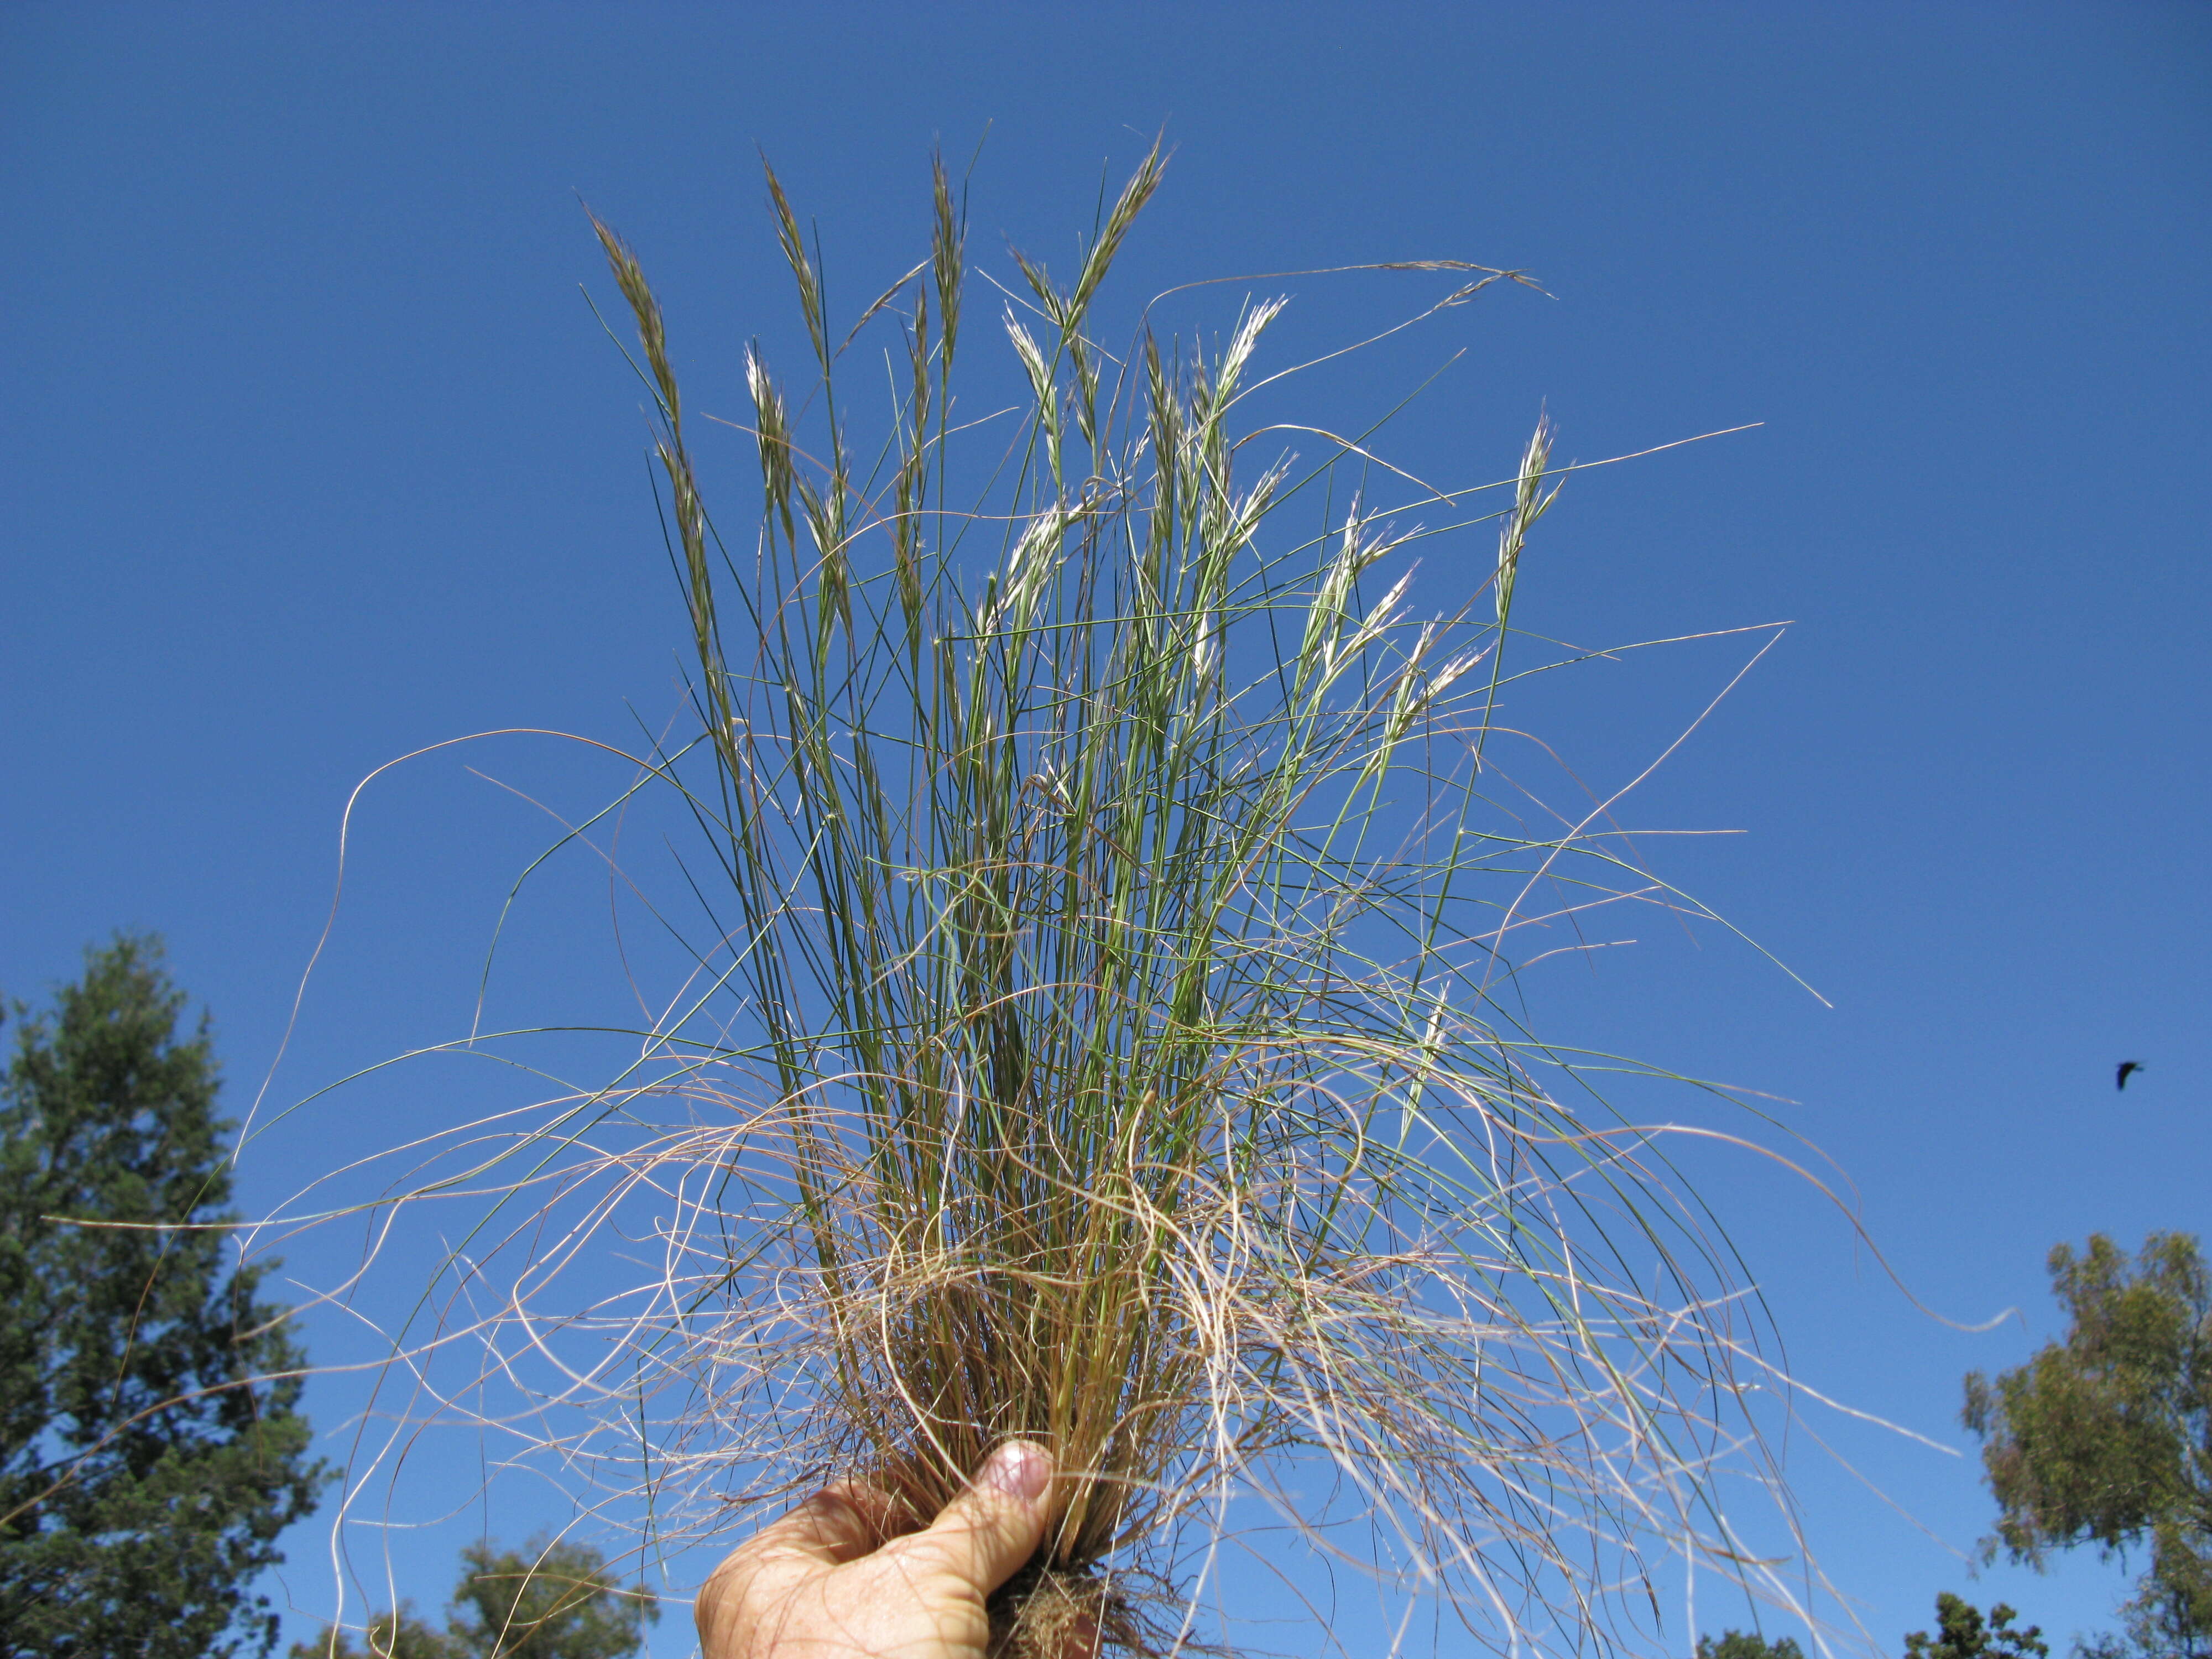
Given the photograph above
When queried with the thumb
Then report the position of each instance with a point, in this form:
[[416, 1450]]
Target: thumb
[[984, 1535]]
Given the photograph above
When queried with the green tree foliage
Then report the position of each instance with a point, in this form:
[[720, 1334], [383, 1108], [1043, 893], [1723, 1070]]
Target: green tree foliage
[[2105, 1436], [151, 1452], [546, 1600], [1747, 1644], [1961, 1632], [399, 1635]]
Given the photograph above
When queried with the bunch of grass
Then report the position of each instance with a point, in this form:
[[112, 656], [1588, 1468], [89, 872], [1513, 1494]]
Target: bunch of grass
[[1109, 878], [1108, 904]]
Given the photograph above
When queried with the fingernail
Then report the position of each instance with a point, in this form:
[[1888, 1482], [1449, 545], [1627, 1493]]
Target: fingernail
[[1019, 1469]]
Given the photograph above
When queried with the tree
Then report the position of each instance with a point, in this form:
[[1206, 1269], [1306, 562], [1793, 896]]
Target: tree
[[2105, 1436], [150, 1450], [1961, 1634], [397, 1635], [1748, 1644], [549, 1600]]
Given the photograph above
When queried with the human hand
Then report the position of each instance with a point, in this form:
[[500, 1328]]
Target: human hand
[[827, 1582]]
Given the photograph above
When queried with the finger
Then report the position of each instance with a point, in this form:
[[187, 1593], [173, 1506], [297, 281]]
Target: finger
[[982, 1536], [836, 1525]]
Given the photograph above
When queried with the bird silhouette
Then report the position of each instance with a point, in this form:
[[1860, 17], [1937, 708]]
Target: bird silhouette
[[2126, 1066]]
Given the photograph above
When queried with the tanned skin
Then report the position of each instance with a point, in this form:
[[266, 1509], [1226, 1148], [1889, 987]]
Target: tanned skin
[[832, 1580]]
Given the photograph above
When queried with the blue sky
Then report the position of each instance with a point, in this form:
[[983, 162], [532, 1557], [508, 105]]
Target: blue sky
[[311, 455]]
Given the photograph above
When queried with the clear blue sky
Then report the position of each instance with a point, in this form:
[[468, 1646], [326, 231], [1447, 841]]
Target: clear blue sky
[[310, 455]]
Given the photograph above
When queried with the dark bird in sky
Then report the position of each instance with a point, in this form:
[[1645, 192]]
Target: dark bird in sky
[[2126, 1066]]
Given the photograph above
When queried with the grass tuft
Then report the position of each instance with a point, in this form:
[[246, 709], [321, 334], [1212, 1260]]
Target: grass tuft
[[1109, 879]]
